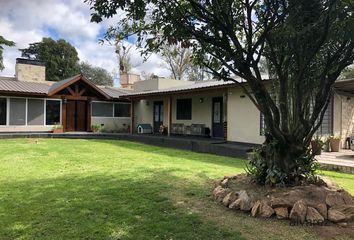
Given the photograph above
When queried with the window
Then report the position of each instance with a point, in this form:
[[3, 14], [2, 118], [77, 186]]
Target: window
[[121, 110], [52, 112], [184, 109], [35, 112], [262, 124], [3, 109], [102, 109], [327, 121], [17, 111]]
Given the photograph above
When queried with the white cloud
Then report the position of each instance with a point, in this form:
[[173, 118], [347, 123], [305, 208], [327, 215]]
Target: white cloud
[[25, 22]]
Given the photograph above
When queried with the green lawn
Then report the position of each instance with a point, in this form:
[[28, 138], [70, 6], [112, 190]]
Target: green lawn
[[97, 189]]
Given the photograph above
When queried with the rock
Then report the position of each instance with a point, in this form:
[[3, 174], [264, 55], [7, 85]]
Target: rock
[[343, 224], [322, 209], [330, 184], [224, 183], [334, 199], [217, 190], [277, 202], [336, 216], [282, 212], [265, 211], [347, 210], [298, 212], [220, 192], [229, 198], [255, 209], [347, 198], [313, 216], [243, 202]]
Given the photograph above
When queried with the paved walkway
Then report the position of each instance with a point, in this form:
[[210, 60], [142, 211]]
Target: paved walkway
[[341, 161]]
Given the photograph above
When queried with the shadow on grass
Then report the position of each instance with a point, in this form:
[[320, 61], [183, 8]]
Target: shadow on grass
[[182, 154], [100, 207]]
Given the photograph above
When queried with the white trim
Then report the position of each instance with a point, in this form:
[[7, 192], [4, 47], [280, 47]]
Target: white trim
[[26, 111], [111, 117], [7, 111]]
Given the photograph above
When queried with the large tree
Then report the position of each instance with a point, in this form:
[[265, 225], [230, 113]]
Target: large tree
[[97, 75], [60, 57], [4, 42], [306, 44], [179, 60]]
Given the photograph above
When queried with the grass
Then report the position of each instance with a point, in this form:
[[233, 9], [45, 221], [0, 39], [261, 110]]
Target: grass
[[98, 189]]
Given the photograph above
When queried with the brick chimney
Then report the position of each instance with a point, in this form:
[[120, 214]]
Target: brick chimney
[[127, 80], [29, 70]]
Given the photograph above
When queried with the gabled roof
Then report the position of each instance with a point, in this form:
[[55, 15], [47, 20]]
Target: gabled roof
[[58, 86], [9, 85]]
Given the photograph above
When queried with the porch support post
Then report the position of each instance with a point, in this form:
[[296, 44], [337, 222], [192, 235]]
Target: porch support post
[[63, 113], [88, 115], [169, 112], [131, 116]]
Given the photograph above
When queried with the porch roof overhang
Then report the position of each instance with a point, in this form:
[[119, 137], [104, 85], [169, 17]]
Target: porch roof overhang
[[344, 87], [59, 86], [193, 87]]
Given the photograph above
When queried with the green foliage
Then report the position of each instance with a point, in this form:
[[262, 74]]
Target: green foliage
[[261, 172], [96, 127], [109, 189], [348, 73], [4, 42], [97, 75], [57, 126], [60, 58]]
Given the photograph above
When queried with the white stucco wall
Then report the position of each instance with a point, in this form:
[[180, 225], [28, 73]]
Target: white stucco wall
[[243, 118], [120, 124], [201, 112], [26, 128]]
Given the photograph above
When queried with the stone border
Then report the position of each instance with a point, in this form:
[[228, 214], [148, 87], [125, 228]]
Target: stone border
[[337, 206]]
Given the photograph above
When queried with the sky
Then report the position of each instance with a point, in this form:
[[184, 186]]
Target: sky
[[28, 21]]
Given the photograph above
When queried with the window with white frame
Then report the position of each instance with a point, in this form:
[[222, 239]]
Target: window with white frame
[[3, 111], [17, 111], [52, 112], [35, 112], [121, 110]]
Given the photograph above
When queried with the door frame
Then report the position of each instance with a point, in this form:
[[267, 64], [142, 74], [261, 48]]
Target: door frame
[[161, 104], [87, 115], [215, 99]]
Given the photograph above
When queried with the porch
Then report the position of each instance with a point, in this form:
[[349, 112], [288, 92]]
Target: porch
[[196, 114], [342, 161]]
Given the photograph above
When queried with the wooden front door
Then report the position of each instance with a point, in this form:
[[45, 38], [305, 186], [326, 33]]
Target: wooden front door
[[158, 115], [76, 116], [217, 118]]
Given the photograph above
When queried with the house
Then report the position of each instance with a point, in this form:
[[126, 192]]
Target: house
[[30, 103], [217, 109], [221, 110]]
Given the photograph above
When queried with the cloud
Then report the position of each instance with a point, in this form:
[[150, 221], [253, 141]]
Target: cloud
[[26, 22]]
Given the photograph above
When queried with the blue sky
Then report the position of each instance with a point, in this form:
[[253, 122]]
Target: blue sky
[[24, 22]]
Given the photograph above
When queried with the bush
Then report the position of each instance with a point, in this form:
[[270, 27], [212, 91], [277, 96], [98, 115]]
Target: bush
[[262, 173]]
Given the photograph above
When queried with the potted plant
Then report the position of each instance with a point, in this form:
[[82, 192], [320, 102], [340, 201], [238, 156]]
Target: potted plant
[[326, 144], [58, 128], [96, 128], [334, 143], [316, 145]]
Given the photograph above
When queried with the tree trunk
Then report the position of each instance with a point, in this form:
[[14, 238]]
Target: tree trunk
[[286, 163]]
